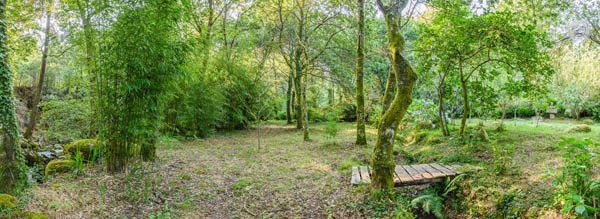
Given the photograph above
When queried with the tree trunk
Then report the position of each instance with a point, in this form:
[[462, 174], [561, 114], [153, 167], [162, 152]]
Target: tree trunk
[[382, 160], [441, 113], [466, 112], [288, 105], [331, 94], [298, 94], [12, 167], [306, 136], [361, 137], [90, 63], [38, 93]]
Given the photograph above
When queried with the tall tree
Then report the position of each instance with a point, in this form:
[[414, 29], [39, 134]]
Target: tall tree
[[361, 137], [12, 166], [34, 114], [382, 160]]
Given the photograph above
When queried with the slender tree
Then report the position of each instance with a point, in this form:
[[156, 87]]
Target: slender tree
[[34, 113], [12, 166], [382, 160], [361, 137]]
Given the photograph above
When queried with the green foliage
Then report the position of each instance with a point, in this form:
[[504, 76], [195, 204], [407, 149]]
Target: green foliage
[[502, 157], [63, 121], [509, 205], [430, 202], [139, 55], [387, 204], [331, 129], [578, 189], [525, 112], [596, 113]]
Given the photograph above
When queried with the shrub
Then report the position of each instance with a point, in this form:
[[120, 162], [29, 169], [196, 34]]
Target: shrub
[[525, 112], [596, 113], [346, 112], [578, 190], [63, 121]]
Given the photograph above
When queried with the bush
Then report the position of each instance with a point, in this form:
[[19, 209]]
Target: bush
[[578, 189], [316, 115], [346, 112], [63, 121], [596, 113], [525, 112]]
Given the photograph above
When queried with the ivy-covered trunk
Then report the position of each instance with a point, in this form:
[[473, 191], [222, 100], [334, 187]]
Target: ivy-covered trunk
[[361, 137], [298, 89], [305, 107], [382, 161], [12, 166]]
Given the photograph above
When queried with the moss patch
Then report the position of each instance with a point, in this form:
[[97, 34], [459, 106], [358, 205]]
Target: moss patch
[[35, 215], [59, 166], [7, 201], [84, 146], [580, 128]]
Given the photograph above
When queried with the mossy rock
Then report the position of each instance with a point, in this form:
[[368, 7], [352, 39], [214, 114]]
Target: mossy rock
[[29, 145], [7, 201], [422, 124], [580, 128], [59, 166], [84, 146], [588, 122], [35, 215], [483, 135]]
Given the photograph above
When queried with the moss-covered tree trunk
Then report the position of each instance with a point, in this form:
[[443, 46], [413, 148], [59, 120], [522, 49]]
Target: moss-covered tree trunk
[[298, 100], [361, 137], [305, 108], [12, 167], [288, 103], [382, 161], [466, 111], [34, 113]]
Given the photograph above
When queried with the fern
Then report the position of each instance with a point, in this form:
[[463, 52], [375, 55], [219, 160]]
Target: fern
[[431, 203]]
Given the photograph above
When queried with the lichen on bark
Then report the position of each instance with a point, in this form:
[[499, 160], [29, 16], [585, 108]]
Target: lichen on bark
[[382, 160]]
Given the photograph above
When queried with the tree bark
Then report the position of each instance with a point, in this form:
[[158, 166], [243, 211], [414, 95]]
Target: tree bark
[[90, 55], [12, 167], [361, 137], [305, 107], [382, 160], [466, 112], [441, 114], [288, 103], [38, 92]]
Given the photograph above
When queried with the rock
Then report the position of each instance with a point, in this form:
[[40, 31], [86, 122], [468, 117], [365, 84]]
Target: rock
[[59, 166], [422, 124], [29, 145], [7, 201], [84, 146], [32, 158], [35, 215], [580, 128], [47, 154]]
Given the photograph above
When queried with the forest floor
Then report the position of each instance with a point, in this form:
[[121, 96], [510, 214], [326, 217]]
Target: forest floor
[[228, 176]]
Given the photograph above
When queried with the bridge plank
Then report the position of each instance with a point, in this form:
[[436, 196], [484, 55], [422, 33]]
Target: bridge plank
[[364, 174]]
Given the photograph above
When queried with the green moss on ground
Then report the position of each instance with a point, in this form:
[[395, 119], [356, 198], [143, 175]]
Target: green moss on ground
[[35, 215], [7, 201], [59, 166], [580, 128]]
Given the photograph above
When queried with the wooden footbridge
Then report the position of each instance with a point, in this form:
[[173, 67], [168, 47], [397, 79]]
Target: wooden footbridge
[[405, 175]]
